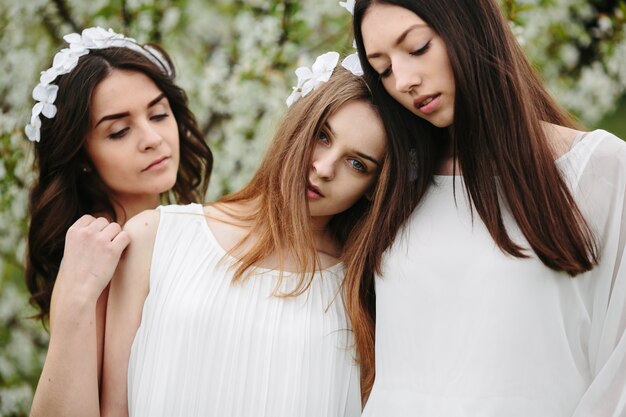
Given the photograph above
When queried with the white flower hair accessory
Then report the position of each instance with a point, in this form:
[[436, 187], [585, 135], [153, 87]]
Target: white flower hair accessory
[[65, 61], [351, 62], [310, 79], [348, 5]]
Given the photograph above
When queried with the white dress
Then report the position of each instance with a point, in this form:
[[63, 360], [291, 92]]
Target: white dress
[[207, 347], [464, 330]]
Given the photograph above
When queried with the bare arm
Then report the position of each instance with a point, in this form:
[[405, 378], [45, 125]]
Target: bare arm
[[69, 382], [128, 292]]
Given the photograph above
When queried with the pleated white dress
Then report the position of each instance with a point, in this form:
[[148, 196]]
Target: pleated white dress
[[207, 347], [464, 330]]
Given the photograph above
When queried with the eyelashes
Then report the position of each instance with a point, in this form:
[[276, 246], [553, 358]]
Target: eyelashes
[[417, 52], [122, 132]]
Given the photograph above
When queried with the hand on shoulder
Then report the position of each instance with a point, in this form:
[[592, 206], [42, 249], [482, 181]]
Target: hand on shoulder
[[93, 247]]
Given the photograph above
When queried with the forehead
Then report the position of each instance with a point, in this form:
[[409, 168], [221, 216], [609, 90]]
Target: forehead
[[357, 125], [121, 91], [376, 26]]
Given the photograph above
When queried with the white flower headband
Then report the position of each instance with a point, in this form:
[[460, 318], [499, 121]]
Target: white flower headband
[[45, 93]]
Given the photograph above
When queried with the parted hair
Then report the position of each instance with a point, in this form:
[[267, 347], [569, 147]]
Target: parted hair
[[62, 192]]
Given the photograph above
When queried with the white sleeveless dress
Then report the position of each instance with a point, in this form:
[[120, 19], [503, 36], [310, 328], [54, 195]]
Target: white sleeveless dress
[[208, 347]]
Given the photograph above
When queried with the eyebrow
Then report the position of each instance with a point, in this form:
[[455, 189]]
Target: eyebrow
[[126, 114], [361, 154], [400, 39]]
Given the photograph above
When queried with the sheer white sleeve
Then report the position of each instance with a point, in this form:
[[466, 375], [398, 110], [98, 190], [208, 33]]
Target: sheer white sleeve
[[601, 193]]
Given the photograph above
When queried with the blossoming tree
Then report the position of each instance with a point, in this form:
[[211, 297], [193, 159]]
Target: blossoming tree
[[236, 59]]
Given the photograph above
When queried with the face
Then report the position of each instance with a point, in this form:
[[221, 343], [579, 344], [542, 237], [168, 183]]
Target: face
[[346, 159], [133, 138], [412, 62]]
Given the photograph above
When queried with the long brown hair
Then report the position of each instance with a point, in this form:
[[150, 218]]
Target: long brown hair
[[500, 104], [63, 192], [280, 219]]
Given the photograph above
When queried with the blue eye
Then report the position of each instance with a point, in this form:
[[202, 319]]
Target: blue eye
[[323, 137], [358, 165]]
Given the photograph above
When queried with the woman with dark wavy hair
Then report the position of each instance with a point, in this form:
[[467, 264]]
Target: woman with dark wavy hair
[[113, 136], [502, 288]]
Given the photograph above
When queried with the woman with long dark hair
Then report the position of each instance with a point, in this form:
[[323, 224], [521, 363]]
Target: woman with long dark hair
[[500, 284], [113, 136]]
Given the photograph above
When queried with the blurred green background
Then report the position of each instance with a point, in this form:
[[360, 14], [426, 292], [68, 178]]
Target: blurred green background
[[236, 60]]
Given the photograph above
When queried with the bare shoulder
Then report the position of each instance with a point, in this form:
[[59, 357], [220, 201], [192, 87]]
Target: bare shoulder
[[143, 226]]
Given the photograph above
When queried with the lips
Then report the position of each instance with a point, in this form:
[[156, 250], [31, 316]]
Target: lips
[[423, 101], [314, 190], [155, 162], [427, 104]]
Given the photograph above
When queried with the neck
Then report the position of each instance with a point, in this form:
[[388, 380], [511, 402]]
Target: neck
[[128, 206], [324, 241]]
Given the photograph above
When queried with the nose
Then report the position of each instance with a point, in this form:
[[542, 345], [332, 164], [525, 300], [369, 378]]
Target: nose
[[150, 137], [407, 75], [324, 165]]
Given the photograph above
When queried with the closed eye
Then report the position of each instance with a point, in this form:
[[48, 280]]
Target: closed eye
[[118, 134], [421, 50], [159, 117], [417, 52]]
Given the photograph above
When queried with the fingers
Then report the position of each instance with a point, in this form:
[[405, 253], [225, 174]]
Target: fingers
[[121, 240], [88, 227]]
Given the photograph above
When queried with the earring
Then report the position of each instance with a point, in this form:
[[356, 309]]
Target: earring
[[86, 169]]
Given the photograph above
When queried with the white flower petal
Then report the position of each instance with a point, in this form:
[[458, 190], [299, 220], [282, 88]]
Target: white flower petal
[[348, 5], [353, 64], [308, 86], [52, 92], [35, 121], [293, 97], [32, 133], [37, 108], [45, 93], [40, 93], [72, 38], [303, 74], [325, 62], [49, 110], [48, 75]]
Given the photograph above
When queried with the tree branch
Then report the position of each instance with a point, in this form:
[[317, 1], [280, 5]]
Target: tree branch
[[64, 13]]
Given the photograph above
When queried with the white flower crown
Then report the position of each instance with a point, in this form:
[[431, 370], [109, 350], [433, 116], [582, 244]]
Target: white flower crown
[[45, 93]]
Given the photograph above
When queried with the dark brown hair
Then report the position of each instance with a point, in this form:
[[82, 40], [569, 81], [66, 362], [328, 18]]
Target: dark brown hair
[[62, 192], [500, 104], [280, 221]]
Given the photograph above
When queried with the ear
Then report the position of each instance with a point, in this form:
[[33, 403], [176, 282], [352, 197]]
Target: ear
[[369, 195]]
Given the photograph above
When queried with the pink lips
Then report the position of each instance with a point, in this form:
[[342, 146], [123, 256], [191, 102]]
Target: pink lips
[[427, 104], [313, 192], [156, 164]]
